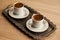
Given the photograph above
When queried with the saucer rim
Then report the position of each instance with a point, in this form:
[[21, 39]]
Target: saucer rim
[[14, 16], [27, 23]]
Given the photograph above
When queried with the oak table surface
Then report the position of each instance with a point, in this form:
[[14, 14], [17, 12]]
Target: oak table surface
[[48, 8]]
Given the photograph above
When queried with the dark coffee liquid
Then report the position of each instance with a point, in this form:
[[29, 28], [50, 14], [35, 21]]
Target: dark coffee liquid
[[38, 17], [18, 5]]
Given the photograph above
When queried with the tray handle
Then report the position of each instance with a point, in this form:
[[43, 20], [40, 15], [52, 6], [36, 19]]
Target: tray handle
[[53, 26]]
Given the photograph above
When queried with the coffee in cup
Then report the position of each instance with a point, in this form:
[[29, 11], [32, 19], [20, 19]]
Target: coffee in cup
[[38, 17], [18, 5]]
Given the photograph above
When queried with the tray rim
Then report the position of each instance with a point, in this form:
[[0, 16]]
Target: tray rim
[[35, 10]]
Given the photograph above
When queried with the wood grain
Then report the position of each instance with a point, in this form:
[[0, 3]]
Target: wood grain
[[49, 8]]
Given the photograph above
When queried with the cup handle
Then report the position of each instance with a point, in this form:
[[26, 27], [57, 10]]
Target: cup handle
[[8, 8]]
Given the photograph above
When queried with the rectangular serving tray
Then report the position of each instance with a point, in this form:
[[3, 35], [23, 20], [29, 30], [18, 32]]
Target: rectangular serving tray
[[20, 24]]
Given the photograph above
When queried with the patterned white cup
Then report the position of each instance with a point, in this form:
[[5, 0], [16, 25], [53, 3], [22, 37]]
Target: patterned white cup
[[19, 9], [38, 21]]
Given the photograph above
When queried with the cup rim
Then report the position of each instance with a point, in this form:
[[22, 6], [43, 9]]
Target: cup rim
[[35, 19], [18, 7]]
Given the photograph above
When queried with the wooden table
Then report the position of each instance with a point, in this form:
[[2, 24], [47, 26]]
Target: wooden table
[[49, 8]]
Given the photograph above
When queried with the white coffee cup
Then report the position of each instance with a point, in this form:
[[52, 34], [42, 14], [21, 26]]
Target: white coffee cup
[[19, 9], [37, 20]]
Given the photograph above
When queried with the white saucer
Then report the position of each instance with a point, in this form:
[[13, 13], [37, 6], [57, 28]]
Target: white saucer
[[18, 16], [44, 28]]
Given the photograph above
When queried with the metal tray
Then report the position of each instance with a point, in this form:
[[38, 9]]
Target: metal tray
[[20, 24]]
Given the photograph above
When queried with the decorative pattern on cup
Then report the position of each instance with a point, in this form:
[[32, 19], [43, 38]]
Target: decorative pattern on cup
[[37, 20]]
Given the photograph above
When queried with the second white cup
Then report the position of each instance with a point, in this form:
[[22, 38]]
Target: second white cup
[[37, 21]]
